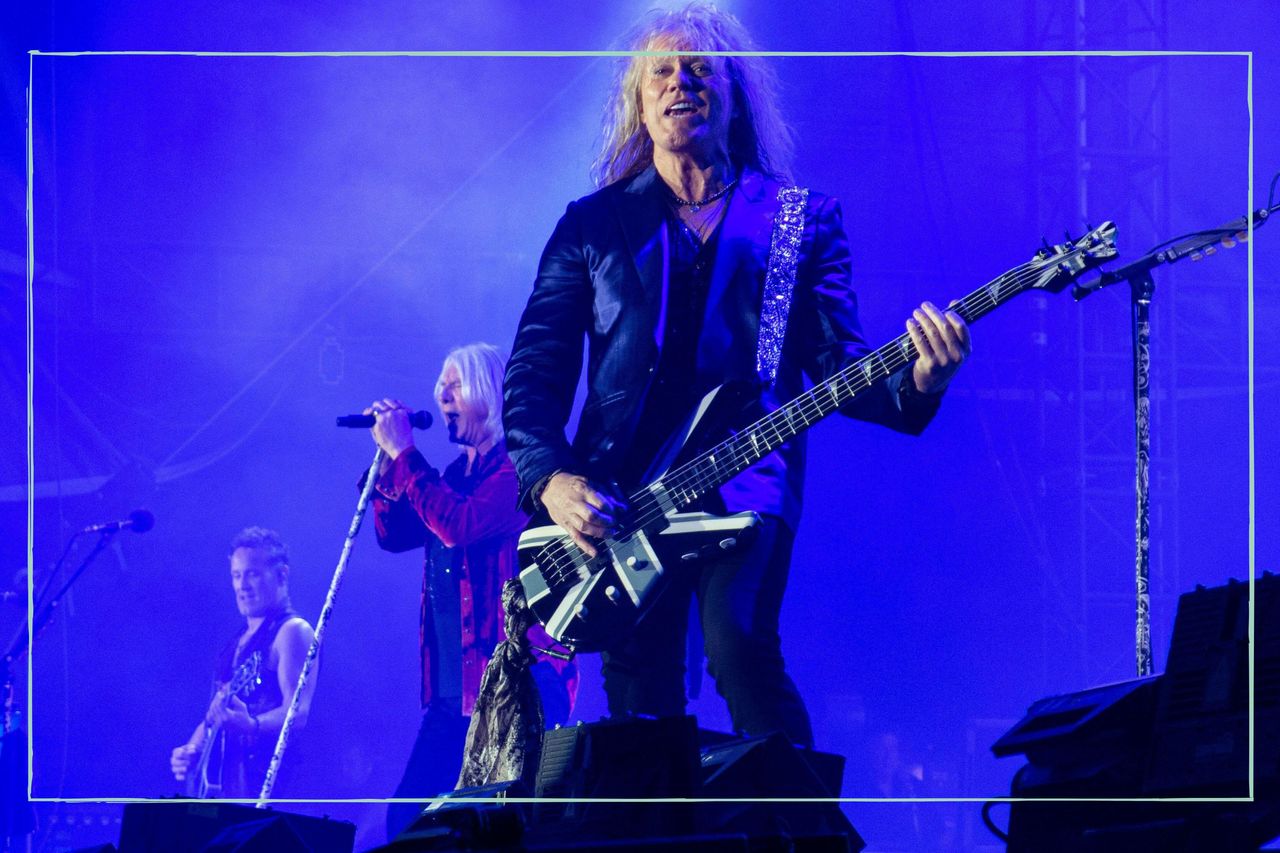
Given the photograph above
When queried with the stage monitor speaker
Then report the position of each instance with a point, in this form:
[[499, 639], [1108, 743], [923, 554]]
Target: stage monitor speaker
[[1127, 827], [760, 767], [765, 768], [1201, 740], [193, 825], [827, 766], [629, 758], [269, 835], [1181, 734], [466, 819], [1093, 740]]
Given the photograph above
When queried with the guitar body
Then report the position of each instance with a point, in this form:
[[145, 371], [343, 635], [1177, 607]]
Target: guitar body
[[204, 778], [590, 603], [586, 604]]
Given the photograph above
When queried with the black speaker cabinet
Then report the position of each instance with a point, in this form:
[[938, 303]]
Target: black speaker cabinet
[[272, 834], [163, 826], [1201, 741], [1095, 740], [1183, 734], [467, 819], [770, 768], [827, 766], [624, 759], [659, 759]]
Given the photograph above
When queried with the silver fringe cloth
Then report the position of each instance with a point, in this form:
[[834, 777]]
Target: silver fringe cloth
[[504, 740]]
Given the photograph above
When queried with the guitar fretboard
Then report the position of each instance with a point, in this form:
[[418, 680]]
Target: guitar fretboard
[[681, 487]]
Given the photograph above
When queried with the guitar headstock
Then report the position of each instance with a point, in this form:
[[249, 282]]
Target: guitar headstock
[[247, 676], [1055, 267]]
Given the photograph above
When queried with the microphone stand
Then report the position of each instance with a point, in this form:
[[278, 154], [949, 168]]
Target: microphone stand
[[14, 807], [46, 614], [1137, 275], [325, 612], [16, 816]]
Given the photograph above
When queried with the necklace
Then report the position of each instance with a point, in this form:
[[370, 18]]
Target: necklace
[[695, 206], [699, 222]]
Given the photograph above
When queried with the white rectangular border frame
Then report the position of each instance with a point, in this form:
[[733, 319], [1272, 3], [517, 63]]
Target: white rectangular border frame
[[30, 331]]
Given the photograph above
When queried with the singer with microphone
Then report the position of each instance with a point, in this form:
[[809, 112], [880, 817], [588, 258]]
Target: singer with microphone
[[466, 520]]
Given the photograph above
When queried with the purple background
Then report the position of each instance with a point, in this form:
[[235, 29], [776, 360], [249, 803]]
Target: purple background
[[231, 251]]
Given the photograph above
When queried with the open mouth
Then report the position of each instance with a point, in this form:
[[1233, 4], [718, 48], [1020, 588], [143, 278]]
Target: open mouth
[[683, 108]]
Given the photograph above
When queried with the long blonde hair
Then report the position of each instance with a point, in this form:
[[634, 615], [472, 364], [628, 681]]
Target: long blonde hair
[[758, 137]]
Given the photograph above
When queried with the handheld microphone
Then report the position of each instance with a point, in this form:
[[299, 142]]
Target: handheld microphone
[[139, 521], [420, 420]]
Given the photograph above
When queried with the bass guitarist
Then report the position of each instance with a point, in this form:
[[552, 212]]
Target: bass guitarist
[[230, 749], [663, 271]]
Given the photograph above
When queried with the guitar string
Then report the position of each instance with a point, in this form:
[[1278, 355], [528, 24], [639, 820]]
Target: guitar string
[[248, 672], [901, 350], [687, 483], [890, 356], [849, 382]]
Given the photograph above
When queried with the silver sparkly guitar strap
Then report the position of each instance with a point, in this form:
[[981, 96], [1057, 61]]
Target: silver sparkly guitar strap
[[780, 280]]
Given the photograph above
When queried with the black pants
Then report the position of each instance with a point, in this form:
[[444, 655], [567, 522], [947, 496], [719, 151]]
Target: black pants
[[433, 765], [739, 600], [436, 759]]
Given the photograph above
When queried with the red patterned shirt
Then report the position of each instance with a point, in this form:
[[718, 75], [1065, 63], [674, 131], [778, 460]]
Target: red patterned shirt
[[476, 515]]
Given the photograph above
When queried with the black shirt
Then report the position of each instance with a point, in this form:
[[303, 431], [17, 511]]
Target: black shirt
[[676, 387]]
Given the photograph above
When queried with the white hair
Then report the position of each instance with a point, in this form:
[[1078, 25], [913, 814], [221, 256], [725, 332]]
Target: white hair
[[480, 368]]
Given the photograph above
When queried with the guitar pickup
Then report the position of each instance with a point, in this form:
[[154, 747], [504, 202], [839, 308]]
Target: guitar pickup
[[709, 551], [636, 566]]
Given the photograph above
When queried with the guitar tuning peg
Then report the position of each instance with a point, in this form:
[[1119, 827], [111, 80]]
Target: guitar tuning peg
[[1067, 236]]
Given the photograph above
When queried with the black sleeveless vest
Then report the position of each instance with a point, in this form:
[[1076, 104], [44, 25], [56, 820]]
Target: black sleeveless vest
[[248, 755]]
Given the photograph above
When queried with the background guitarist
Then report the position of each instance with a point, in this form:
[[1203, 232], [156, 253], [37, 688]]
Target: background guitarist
[[228, 753], [662, 271]]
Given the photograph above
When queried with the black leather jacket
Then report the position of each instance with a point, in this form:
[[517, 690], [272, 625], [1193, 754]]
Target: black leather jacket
[[603, 276]]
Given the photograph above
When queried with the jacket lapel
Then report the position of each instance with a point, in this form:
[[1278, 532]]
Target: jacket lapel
[[640, 208], [732, 319]]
